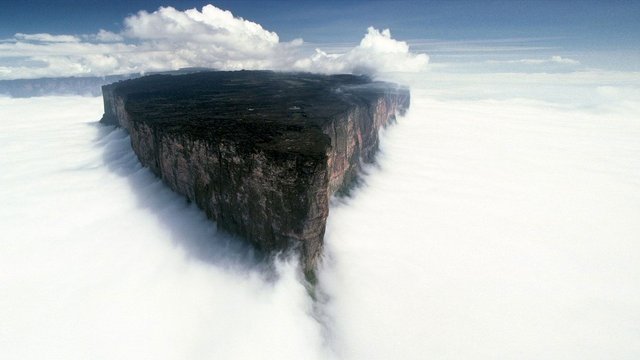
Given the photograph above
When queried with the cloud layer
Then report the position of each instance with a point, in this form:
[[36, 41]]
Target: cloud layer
[[169, 39], [101, 260], [492, 227], [555, 59]]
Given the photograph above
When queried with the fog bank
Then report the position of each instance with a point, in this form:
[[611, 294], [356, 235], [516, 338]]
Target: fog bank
[[492, 229], [100, 260]]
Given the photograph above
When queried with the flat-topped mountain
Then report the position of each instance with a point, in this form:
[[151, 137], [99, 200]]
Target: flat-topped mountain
[[260, 152]]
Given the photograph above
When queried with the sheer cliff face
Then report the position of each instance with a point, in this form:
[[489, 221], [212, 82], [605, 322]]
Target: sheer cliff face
[[259, 152]]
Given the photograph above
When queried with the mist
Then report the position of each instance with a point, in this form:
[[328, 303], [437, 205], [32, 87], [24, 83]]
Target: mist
[[491, 229], [100, 260], [494, 224]]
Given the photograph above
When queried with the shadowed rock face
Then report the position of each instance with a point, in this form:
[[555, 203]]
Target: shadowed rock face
[[260, 152]]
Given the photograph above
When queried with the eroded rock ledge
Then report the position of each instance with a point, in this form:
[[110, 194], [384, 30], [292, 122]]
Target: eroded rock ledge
[[260, 152]]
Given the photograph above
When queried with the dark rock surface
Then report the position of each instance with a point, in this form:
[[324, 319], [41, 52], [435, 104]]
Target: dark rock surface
[[260, 152]]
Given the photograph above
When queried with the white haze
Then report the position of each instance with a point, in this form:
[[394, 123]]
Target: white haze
[[492, 230], [501, 222], [99, 260]]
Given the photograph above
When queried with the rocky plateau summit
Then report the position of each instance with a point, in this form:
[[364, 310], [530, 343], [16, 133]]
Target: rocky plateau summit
[[260, 152]]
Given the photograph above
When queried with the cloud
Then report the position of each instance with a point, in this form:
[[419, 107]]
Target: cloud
[[561, 60], [169, 39], [43, 37], [142, 273], [108, 36], [209, 25], [377, 50], [490, 220], [483, 233], [556, 59]]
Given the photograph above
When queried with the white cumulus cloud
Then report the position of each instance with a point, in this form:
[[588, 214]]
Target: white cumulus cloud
[[377, 52], [169, 39]]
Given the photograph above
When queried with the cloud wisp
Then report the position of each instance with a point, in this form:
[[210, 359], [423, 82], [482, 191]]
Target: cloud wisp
[[555, 59], [170, 39]]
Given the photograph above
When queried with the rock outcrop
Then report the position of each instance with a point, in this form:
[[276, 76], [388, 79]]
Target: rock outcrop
[[260, 152]]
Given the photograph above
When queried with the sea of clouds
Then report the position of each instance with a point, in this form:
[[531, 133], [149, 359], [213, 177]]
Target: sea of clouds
[[499, 221], [487, 229]]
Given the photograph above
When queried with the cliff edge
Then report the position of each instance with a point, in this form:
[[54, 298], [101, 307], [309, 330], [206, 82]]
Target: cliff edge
[[260, 152]]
